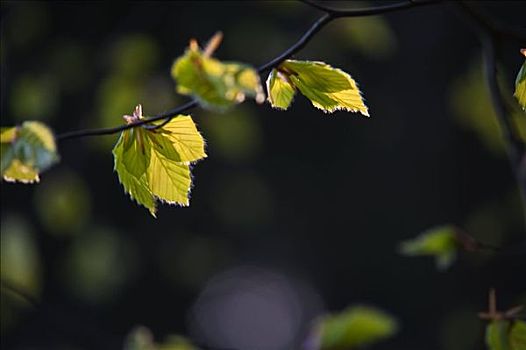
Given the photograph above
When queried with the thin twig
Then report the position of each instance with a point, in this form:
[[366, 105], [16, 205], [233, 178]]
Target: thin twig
[[330, 15]]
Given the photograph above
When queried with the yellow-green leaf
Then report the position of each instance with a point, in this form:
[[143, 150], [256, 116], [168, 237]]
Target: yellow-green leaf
[[355, 327], [26, 151], [518, 335], [280, 90], [439, 242], [497, 335], [328, 88], [169, 180], [154, 164], [181, 139], [129, 163], [215, 84], [520, 86]]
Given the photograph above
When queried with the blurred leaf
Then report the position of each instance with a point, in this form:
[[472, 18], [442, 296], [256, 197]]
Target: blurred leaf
[[217, 85], [20, 261], [328, 88], [236, 135], [355, 327], [155, 163], [497, 335], [280, 90], [473, 109], [63, 203], [439, 242], [98, 264], [134, 54], [141, 338], [518, 335], [26, 151], [370, 36], [520, 86], [34, 97]]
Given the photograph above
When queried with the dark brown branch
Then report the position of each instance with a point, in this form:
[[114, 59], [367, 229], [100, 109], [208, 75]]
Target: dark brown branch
[[330, 15]]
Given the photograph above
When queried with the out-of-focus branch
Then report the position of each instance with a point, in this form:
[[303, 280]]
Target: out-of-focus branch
[[487, 33], [330, 15]]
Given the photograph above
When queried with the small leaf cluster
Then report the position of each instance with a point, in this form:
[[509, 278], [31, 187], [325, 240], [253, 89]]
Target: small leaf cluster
[[26, 151], [154, 164]]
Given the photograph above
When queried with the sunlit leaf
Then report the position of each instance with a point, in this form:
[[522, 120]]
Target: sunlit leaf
[[155, 163], [179, 140], [520, 86], [168, 180], [280, 90], [497, 335], [355, 327], [440, 242], [518, 335], [216, 84], [127, 156], [27, 151], [328, 88]]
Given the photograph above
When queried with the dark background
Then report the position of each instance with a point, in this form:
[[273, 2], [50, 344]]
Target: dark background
[[293, 214]]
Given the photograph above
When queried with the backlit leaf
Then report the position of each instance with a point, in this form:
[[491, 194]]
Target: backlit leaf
[[26, 151], [440, 242], [328, 88], [280, 90], [215, 84], [181, 139], [126, 158], [168, 179], [520, 86], [355, 327], [154, 163]]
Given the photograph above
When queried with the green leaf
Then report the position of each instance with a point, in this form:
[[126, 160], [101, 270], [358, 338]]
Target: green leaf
[[357, 326], [180, 140], [518, 335], [154, 164], [126, 158], [520, 86], [215, 84], [440, 242], [328, 88], [27, 151], [168, 179], [497, 335], [280, 90]]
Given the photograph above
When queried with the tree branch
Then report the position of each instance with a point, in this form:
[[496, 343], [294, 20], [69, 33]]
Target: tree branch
[[330, 15], [487, 33]]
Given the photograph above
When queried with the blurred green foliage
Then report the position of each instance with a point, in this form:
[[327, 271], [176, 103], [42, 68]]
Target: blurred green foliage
[[439, 242], [63, 203], [355, 327], [473, 110], [20, 259], [98, 264], [141, 338], [235, 136], [371, 37], [34, 97]]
